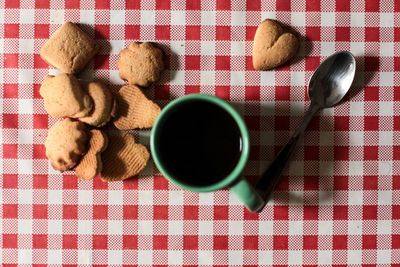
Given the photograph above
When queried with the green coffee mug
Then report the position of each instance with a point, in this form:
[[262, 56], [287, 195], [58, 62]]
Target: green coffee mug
[[233, 179]]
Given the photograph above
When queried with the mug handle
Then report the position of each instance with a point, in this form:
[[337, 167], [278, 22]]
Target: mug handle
[[248, 195]]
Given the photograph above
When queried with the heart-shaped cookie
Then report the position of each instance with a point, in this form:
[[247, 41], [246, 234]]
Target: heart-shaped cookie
[[134, 109], [273, 45]]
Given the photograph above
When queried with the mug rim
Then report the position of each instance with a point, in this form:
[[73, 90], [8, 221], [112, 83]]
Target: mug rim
[[244, 156]]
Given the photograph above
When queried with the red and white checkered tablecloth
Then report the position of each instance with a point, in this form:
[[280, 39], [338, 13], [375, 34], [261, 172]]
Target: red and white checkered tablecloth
[[339, 201]]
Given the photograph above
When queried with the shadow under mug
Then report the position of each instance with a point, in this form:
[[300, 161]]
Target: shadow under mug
[[234, 180]]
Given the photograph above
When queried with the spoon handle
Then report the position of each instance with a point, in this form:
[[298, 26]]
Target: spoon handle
[[270, 178]]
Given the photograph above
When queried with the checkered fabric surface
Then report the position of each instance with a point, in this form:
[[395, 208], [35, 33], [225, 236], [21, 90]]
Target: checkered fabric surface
[[339, 200]]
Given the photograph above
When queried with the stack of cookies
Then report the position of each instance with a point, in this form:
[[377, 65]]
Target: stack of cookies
[[79, 141]]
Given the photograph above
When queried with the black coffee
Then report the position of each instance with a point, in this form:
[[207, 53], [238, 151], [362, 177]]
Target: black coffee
[[199, 143]]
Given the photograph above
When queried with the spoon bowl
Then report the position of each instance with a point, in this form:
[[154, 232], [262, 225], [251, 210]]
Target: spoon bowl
[[332, 80]]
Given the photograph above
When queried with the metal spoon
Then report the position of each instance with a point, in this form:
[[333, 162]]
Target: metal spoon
[[328, 85]]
